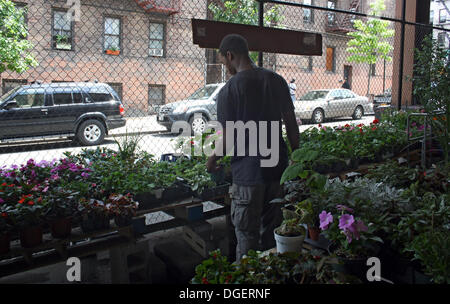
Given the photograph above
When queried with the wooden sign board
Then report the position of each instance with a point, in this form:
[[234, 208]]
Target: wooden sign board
[[209, 34]]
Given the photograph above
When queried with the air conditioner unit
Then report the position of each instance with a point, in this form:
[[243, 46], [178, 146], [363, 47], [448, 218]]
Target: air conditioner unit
[[156, 52]]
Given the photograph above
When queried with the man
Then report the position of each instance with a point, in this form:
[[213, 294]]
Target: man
[[346, 85], [257, 95], [292, 89]]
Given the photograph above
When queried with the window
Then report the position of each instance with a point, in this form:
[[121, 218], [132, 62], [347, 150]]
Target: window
[[442, 16], [331, 15], [431, 16], [112, 32], [118, 88], [30, 98], [9, 84], [441, 39], [62, 98], [77, 98], [156, 97], [330, 61], [156, 46], [62, 31], [308, 14]]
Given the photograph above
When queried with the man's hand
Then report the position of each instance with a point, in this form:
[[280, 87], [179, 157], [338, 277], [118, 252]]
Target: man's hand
[[211, 164]]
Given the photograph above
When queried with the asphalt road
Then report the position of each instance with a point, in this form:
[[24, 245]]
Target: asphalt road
[[156, 144]]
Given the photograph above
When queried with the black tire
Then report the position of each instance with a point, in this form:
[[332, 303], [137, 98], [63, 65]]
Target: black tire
[[318, 116], [91, 132], [358, 113], [196, 121]]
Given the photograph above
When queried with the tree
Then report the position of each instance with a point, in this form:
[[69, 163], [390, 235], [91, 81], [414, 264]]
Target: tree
[[431, 80], [244, 12], [14, 47], [369, 41]]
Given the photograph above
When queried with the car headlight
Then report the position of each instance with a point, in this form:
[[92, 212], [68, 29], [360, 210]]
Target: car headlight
[[180, 109]]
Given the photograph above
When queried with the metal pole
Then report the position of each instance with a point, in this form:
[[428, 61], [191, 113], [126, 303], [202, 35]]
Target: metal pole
[[384, 76], [261, 23], [402, 55]]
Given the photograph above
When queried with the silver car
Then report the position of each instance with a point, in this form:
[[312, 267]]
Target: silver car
[[317, 105]]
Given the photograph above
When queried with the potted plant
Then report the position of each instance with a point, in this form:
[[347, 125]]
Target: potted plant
[[29, 214], [123, 208], [289, 236], [352, 241], [5, 227], [94, 215], [113, 50], [310, 216], [62, 42], [62, 206]]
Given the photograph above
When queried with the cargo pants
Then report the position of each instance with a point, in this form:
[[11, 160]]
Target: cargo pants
[[254, 219]]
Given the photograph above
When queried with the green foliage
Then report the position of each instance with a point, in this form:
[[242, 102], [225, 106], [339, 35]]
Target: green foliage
[[255, 268], [431, 87], [432, 250], [244, 12], [14, 47], [368, 43]]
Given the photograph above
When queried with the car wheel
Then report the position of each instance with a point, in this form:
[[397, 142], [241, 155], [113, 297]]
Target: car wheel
[[91, 132], [318, 116], [358, 114], [198, 124]]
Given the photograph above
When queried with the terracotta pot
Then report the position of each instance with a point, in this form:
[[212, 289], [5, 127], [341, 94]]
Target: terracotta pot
[[31, 236], [61, 228], [4, 243], [110, 52], [314, 233]]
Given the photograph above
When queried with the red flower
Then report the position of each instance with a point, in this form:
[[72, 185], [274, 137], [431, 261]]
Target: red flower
[[347, 126], [31, 203], [39, 199], [4, 214], [374, 128], [320, 126], [10, 186], [361, 131], [21, 200], [205, 281], [4, 184], [376, 121], [360, 125]]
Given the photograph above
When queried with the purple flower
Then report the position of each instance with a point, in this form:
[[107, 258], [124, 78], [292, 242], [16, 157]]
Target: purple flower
[[45, 189], [346, 221], [356, 228], [420, 128], [325, 220], [43, 164], [344, 208], [14, 167], [85, 175], [1, 201]]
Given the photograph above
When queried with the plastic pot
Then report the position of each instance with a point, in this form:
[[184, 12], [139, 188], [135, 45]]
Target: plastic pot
[[61, 228], [288, 243], [31, 236], [314, 233]]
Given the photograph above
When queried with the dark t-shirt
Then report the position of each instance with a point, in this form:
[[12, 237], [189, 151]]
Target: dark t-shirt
[[257, 95]]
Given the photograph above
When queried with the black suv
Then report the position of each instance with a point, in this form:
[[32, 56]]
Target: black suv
[[83, 111]]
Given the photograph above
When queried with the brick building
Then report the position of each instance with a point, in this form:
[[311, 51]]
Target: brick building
[[157, 62]]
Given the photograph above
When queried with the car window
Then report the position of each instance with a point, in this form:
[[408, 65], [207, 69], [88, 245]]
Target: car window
[[336, 94], [8, 94], [347, 94], [99, 94], [203, 93], [30, 98], [62, 99], [77, 98], [313, 95]]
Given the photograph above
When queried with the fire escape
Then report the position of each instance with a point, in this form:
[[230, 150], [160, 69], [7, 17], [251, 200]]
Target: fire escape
[[171, 7], [338, 24]]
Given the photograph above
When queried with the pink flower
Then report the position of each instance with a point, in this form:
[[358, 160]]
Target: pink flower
[[325, 220], [345, 221]]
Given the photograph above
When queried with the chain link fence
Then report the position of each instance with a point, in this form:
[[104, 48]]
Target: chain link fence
[[133, 62]]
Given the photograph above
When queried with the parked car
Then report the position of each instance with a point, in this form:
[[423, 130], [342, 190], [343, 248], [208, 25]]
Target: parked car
[[82, 111], [202, 102], [317, 105], [383, 99]]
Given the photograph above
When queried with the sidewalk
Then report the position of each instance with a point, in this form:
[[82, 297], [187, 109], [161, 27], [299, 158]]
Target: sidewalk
[[146, 125]]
